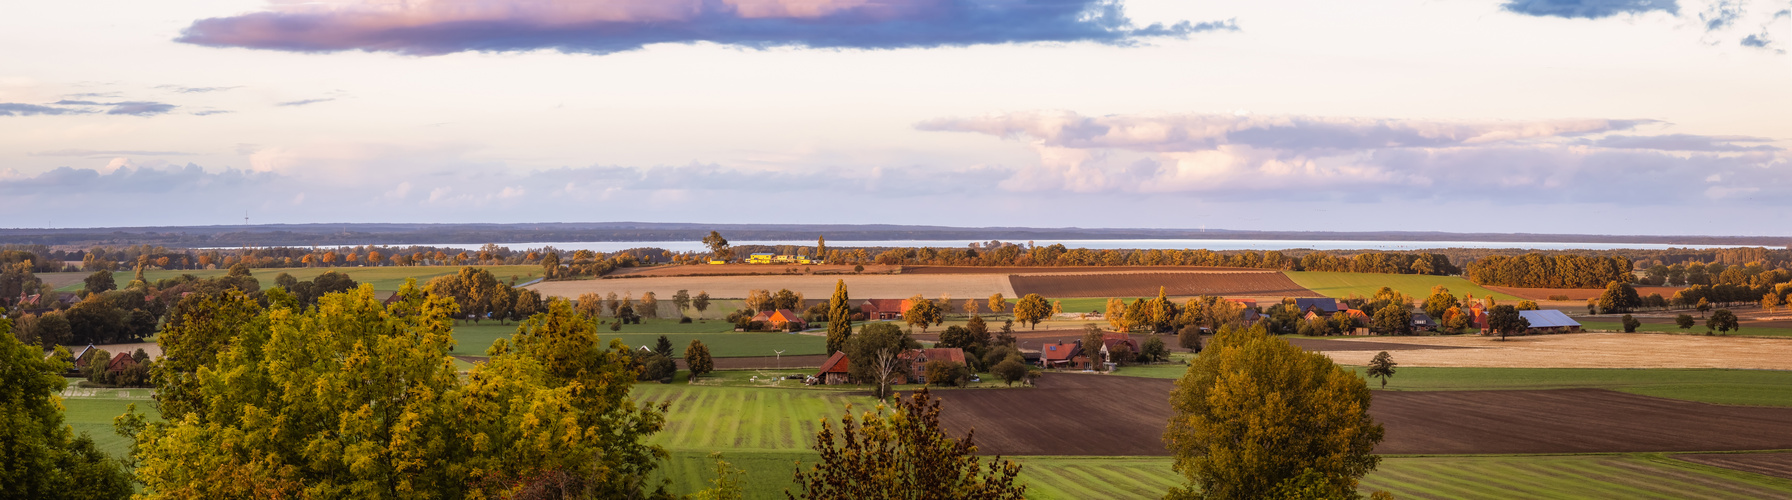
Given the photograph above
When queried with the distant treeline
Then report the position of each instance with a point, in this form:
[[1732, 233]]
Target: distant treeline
[[1535, 270]]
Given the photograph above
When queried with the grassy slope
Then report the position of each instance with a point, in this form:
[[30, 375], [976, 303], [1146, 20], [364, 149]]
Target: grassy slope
[[1365, 284], [388, 278], [722, 340], [1697, 329]]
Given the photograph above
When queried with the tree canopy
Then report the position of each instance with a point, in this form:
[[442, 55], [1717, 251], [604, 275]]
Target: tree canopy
[[902, 453], [43, 458]]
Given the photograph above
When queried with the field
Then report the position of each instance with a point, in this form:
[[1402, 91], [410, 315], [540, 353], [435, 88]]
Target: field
[[1231, 284], [92, 410], [879, 286], [722, 340], [1579, 294], [385, 279], [1698, 328], [1730, 387], [1769, 464], [1062, 270], [1590, 350], [747, 269], [1365, 284]]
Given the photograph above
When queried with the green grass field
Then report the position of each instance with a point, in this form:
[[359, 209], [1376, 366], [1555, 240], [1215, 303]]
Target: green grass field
[[384, 279], [1340, 285], [92, 410], [722, 340], [1697, 329]]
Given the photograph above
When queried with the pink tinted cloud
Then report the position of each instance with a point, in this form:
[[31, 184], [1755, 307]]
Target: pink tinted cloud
[[428, 27]]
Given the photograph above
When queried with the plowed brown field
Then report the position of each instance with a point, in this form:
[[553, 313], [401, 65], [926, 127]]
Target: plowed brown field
[[1233, 284], [1080, 414], [1579, 293]]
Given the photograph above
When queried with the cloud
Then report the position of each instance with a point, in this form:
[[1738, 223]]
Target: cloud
[[196, 90], [1721, 14], [1589, 9], [432, 27], [209, 112], [22, 109], [303, 102], [1682, 142], [106, 153], [133, 108], [1229, 157]]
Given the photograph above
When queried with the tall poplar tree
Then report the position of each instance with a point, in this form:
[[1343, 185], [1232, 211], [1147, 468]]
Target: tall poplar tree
[[839, 318]]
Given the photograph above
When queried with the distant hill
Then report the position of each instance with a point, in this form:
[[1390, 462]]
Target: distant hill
[[407, 234]]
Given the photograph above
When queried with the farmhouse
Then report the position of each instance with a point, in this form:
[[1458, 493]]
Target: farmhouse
[[1423, 322], [1113, 341], [1323, 308], [1549, 321], [1060, 355], [781, 319], [833, 371], [884, 309], [919, 358]]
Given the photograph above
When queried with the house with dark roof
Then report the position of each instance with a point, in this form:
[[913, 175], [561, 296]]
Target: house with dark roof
[[834, 370], [1423, 322], [1321, 307], [1112, 342]]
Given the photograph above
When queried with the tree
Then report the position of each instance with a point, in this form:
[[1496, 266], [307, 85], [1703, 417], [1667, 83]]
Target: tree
[[729, 483], [1011, 369], [649, 306], [663, 346], [1254, 414], [1092, 343], [1395, 319], [99, 282], [718, 246], [701, 302], [550, 265], [1190, 338], [1031, 309], [759, 300], [865, 348], [682, 301], [956, 336], [902, 453], [1619, 297], [1528, 305], [1723, 321], [1630, 323], [357, 397], [839, 317], [970, 307], [1154, 349], [922, 312], [43, 456], [979, 330], [1685, 321], [696, 357], [1506, 321], [947, 373], [786, 299], [1115, 313], [1703, 306], [1439, 303], [997, 303], [1382, 367]]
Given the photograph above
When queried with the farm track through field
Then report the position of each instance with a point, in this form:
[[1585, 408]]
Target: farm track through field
[[1129, 414], [1232, 284]]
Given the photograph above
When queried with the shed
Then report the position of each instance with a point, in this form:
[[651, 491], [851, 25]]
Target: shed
[[1549, 321], [834, 370]]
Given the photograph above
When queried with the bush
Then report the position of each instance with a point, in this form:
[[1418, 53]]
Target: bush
[[755, 326], [1190, 338], [654, 366], [1011, 370], [947, 373], [1558, 297], [1154, 350], [1630, 324], [998, 353], [684, 320]]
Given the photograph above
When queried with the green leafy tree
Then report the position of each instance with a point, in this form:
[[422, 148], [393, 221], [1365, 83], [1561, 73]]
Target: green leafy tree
[[1723, 321], [1154, 349], [359, 398], [1630, 323], [1395, 319], [1528, 305], [682, 301], [947, 373], [1011, 370], [839, 317], [1439, 303], [865, 349], [100, 281], [701, 302], [957, 336], [1031, 309], [43, 457], [663, 346], [1505, 320], [550, 265], [696, 357], [1685, 321], [1092, 342], [1382, 367], [718, 246], [1619, 297], [1255, 414], [902, 453], [728, 484]]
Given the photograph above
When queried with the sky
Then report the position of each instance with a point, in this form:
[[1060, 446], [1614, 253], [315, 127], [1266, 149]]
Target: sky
[[1546, 116]]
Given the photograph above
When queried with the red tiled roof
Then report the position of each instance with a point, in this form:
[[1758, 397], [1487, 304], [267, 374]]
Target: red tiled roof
[[882, 305], [952, 354], [783, 315], [1057, 352], [835, 364]]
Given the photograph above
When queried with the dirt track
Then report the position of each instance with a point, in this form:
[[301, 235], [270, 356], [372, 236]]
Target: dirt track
[[1081, 414], [1182, 284], [1589, 350]]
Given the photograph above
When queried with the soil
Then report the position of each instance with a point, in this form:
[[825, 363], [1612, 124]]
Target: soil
[[1579, 294], [1593, 350], [1086, 414], [1067, 269], [745, 269], [1031, 340], [813, 286], [1770, 464], [1231, 284]]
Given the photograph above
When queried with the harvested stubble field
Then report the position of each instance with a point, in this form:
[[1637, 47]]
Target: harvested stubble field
[[1230, 284], [1590, 350], [1418, 286], [1579, 293], [863, 286], [745, 269], [1065, 270], [1079, 418]]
